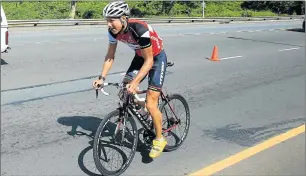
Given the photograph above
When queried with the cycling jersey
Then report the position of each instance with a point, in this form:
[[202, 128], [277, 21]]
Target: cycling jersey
[[138, 35]]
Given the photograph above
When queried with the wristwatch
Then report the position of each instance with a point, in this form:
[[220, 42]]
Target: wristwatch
[[101, 77]]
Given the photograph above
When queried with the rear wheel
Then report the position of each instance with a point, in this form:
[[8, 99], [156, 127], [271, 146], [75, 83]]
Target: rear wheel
[[176, 121], [123, 137]]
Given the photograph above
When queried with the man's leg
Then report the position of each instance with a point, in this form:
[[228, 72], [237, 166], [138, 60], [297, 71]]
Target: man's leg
[[156, 80], [159, 143], [132, 71], [152, 101]]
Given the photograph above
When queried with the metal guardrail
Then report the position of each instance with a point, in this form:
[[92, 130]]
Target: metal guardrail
[[55, 22]]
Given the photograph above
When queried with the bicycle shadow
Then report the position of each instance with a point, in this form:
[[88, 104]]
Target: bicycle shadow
[[88, 123], [87, 126]]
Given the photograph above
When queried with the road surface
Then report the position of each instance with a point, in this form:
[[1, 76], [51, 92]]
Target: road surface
[[256, 91]]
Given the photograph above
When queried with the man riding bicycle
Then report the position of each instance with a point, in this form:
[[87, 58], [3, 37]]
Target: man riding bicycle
[[150, 59]]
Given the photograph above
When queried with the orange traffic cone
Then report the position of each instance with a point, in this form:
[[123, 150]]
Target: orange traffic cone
[[215, 56]]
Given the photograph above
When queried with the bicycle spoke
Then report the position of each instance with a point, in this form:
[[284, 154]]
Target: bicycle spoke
[[115, 144], [175, 120]]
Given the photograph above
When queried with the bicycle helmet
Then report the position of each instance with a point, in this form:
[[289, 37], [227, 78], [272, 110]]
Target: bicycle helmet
[[116, 9]]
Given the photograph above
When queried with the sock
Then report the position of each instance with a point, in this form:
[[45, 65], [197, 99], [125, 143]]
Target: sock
[[160, 139]]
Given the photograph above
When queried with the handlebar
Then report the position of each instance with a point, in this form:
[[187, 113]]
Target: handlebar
[[122, 86], [119, 86]]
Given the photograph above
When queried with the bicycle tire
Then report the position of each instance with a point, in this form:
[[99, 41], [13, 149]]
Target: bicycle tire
[[98, 164], [187, 110]]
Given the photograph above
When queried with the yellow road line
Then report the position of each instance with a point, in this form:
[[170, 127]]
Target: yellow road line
[[211, 169]]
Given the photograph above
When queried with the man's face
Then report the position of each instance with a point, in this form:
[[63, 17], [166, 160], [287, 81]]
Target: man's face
[[114, 24]]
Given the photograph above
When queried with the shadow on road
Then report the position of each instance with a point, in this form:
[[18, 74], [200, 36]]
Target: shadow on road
[[88, 123], [249, 136], [296, 30], [81, 161], [143, 148], [3, 62], [91, 124]]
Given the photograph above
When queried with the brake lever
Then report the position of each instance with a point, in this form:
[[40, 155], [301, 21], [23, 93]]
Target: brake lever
[[102, 90], [97, 91]]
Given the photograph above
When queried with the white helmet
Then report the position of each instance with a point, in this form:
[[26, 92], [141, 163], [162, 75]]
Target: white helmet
[[116, 9]]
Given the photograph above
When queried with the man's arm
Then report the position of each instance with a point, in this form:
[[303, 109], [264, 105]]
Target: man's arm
[[109, 59], [147, 54]]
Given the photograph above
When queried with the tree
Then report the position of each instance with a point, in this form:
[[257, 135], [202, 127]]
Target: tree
[[280, 7]]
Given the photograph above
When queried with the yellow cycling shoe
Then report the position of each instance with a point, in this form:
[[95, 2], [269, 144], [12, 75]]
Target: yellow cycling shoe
[[158, 147]]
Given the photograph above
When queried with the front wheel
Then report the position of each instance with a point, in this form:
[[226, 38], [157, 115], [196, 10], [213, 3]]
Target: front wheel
[[116, 139], [176, 120]]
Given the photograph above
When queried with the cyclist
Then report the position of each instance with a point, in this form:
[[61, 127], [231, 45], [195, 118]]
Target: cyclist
[[150, 59]]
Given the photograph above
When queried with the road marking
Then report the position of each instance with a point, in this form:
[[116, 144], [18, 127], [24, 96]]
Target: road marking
[[212, 169], [233, 57], [288, 49], [98, 38]]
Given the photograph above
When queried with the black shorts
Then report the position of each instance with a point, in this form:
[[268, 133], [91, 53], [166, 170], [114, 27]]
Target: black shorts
[[156, 74]]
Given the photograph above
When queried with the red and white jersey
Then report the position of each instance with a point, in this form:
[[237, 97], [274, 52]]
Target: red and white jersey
[[138, 35]]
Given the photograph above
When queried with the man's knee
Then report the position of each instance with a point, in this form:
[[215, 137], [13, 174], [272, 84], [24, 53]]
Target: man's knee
[[152, 99]]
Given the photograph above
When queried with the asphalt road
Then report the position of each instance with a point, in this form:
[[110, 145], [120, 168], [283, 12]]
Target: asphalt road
[[255, 92], [287, 158]]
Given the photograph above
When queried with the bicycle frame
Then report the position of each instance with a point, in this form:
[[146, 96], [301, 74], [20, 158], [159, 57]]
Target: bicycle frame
[[141, 119], [128, 106]]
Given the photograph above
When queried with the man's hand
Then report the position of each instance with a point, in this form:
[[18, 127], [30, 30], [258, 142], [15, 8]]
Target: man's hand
[[132, 87], [96, 82]]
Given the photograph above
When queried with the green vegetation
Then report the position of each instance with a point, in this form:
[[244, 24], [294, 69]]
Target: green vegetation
[[19, 10], [36, 10]]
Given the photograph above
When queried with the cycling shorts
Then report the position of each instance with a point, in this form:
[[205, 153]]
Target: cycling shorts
[[156, 74]]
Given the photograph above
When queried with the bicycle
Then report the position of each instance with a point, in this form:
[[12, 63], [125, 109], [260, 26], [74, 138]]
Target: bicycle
[[125, 112]]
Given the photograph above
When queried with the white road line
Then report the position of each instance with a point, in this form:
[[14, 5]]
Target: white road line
[[230, 57], [288, 49], [98, 38]]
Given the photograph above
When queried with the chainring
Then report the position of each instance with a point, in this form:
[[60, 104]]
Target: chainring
[[147, 137]]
